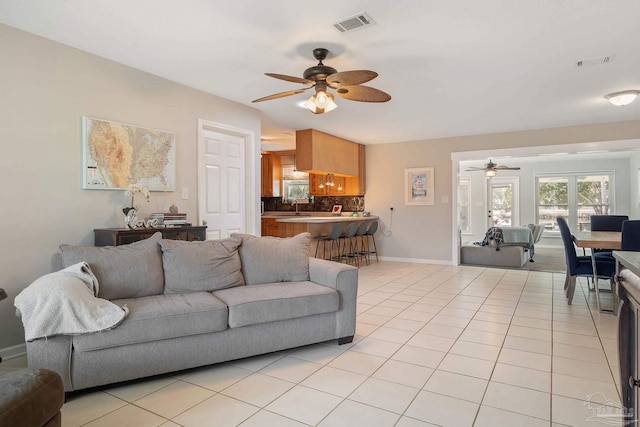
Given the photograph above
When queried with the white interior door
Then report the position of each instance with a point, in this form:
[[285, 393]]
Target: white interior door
[[503, 206], [221, 182]]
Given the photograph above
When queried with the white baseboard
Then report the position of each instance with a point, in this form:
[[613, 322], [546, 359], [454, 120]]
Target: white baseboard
[[417, 260], [15, 351]]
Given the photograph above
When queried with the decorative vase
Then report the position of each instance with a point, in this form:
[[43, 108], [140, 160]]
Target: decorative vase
[[129, 217], [173, 209]]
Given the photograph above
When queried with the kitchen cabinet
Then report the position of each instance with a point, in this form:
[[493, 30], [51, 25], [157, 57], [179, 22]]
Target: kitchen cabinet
[[320, 153], [351, 185], [270, 174], [270, 227]]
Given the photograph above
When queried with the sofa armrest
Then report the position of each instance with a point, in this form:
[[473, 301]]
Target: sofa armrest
[[343, 278], [53, 353]]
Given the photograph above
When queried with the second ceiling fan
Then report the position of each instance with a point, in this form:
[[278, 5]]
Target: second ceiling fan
[[347, 84], [490, 169]]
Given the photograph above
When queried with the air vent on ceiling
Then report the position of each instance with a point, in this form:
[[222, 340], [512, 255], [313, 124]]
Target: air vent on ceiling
[[595, 61], [354, 22]]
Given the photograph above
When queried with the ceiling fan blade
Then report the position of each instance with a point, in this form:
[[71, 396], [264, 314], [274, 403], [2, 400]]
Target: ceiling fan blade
[[280, 95], [362, 94], [473, 168], [507, 168], [290, 78], [350, 78]]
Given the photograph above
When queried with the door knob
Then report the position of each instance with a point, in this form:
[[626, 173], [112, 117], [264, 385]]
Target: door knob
[[633, 382]]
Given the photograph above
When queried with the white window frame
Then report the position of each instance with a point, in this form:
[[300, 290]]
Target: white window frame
[[572, 195]]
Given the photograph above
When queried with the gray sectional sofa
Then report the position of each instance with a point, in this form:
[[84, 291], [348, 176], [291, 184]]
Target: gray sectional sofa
[[198, 303]]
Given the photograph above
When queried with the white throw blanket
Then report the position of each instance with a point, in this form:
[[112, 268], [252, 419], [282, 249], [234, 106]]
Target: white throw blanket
[[65, 302]]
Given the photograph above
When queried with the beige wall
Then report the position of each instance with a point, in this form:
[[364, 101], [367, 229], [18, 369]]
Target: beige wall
[[424, 233], [45, 89]]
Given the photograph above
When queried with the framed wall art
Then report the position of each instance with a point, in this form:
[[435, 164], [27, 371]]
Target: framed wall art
[[116, 155], [419, 186]]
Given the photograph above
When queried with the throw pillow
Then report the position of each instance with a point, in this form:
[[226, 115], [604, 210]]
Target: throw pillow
[[274, 259], [201, 266], [126, 271]]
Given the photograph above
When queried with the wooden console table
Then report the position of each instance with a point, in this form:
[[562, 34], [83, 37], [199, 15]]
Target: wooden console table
[[123, 236]]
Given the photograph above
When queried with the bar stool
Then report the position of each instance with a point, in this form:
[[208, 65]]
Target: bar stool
[[346, 238], [332, 238], [360, 246], [371, 234]]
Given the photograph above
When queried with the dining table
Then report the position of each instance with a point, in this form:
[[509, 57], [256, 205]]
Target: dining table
[[597, 240]]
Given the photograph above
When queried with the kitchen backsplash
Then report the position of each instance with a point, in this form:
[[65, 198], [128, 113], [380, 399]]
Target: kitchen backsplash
[[318, 204]]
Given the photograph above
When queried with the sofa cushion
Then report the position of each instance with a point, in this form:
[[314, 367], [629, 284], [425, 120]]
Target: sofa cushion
[[254, 304], [126, 271], [160, 317], [201, 266], [274, 259]]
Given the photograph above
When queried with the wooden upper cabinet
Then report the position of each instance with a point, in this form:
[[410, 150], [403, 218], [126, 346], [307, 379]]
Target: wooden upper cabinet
[[320, 153], [266, 174], [351, 185]]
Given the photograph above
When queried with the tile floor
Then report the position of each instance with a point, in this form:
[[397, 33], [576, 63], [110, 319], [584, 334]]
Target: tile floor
[[435, 345]]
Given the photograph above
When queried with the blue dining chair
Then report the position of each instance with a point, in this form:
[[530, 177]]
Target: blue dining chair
[[607, 223], [630, 236], [581, 266]]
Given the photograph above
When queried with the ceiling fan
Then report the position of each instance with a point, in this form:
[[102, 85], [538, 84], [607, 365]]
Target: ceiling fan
[[490, 169], [347, 84]]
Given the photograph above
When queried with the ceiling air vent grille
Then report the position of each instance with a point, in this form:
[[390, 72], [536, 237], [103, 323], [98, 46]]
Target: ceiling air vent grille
[[354, 22], [595, 61]]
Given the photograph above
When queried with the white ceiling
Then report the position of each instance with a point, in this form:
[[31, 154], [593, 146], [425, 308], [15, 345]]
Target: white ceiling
[[453, 67]]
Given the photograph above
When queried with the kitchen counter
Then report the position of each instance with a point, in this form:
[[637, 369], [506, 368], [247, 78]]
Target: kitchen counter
[[629, 259], [324, 219]]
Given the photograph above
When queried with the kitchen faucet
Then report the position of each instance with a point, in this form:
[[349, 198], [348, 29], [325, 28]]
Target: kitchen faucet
[[295, 202]]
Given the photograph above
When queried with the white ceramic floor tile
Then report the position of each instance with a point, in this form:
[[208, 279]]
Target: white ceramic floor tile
[[419, 356], [291, 369], [384, 395], [219, 411], [526, 359], [485, 326], [258, 389], [317, 353], [528, 345], [360, 363], [467, 366], [578, 368], [456, 385], [128, 416], [385, 333], [81, 409], [522, 377], [174, 399], [475, 350], [581, 388], [531, 333], [335, 381], [256, 363], [217, 377], [517, 399], [135, 390], [482, 337], [492, 417], [404, 324], [354, 414], [442, 410], [404, 373], [431, 342], [305, 405], [446, 331], [576, 339], [578, 413], [265, 418]]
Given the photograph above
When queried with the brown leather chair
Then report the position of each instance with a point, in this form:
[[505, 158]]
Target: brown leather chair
[[30, 397]]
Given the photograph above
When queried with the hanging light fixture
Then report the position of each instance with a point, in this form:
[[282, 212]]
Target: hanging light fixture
[[321, 185], [339, 185], [322, 101], [623, 98], [490, 173]]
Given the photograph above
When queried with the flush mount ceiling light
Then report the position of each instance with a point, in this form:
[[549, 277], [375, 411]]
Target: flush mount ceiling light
[[623, 98]]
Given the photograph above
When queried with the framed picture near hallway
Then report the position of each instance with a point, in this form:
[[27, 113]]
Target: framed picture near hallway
[[418, 186]]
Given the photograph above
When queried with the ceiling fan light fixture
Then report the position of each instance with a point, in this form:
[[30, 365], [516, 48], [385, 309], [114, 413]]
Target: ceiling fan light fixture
[[321, 102], [623, 98], [490, 173]]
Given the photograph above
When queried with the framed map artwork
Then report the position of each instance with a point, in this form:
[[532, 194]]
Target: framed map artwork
[[418, 186], [116, 155]]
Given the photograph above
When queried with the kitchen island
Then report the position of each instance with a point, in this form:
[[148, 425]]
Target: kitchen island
[[289, 224]]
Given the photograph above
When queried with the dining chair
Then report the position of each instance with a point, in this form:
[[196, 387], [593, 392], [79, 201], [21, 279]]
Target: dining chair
[[630, 236], [581, 266], [607, 223]]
